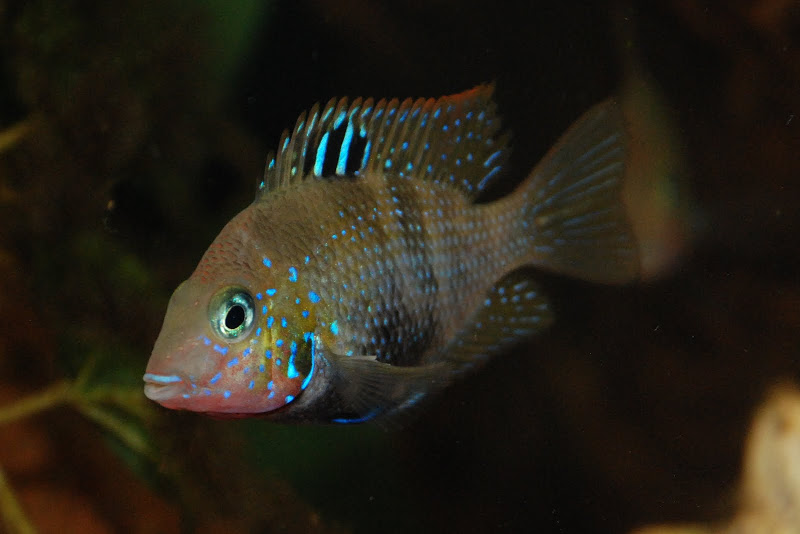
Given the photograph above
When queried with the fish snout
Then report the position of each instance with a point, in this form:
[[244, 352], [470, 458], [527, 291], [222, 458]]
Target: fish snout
[[159, 388]]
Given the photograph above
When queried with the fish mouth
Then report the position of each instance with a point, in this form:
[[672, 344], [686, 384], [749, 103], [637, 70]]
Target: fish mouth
[[161, 387]]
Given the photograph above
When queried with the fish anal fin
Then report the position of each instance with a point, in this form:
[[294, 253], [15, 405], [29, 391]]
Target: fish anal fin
[[513, 309]]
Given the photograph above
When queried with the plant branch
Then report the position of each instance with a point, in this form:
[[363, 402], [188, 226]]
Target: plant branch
[[11, 511]]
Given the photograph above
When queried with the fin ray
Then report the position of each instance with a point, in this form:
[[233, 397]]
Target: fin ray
[[513, 309], [452, 140], [573, 202], [382, 392]]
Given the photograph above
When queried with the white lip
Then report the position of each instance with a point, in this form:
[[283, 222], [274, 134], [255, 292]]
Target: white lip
[[156, 392], [161, 387], [161, 379]]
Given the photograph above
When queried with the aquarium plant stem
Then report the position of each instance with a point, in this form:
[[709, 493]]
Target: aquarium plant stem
[[50, 397], [10, 136], [14, 518]]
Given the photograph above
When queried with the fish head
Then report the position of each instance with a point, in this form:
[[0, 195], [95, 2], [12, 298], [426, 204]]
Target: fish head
[[221, 349]]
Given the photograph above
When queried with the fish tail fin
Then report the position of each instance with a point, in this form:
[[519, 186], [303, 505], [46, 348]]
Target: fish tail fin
[[573, 215]]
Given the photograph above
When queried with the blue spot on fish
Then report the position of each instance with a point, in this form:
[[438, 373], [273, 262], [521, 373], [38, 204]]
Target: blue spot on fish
[[271, 384], [289, 398], [279, 343], [252, 384], [344, 150], [233, 362], [335, 328], [308, 259], [307, 380], [227, 394], [304, 313], [270, 292], [313, 297], [206, 341], [291, 372], [367, 417], [292, 274], [491, 158], [322, 148], [221, 350], [215, 378], [283, 322], [267, 263], [270, 321]]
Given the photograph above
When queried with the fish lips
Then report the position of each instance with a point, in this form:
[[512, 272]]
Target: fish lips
[[160, 388]]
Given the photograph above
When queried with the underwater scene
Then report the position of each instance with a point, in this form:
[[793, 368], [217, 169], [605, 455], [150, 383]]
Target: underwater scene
[[362, 266]]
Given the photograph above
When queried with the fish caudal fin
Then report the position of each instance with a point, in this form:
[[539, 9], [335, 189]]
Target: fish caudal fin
[[573, 208]]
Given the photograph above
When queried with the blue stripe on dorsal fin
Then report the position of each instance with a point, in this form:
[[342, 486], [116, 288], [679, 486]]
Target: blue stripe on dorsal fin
[[324, 143], [449, 141]]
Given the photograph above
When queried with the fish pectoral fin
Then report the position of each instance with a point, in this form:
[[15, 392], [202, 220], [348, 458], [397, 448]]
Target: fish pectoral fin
[[377, 390]]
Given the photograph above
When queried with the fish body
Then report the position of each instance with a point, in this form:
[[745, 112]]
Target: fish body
[[365, 277]]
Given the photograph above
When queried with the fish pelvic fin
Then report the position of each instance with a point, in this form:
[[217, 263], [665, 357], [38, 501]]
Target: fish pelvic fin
[[382, 393], [572, 209]]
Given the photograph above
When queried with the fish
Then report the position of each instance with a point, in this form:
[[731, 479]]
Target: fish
[[368, 274]]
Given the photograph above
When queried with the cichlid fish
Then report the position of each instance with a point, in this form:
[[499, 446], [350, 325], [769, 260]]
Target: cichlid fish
[[365, 277]]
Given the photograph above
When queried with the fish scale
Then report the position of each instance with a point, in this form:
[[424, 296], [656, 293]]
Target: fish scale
[[364, 278]]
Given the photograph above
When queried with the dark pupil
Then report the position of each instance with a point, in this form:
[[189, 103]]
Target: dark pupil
[[235, 317]]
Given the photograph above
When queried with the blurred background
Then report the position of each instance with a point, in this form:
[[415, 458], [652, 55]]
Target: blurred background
[[130, 133]]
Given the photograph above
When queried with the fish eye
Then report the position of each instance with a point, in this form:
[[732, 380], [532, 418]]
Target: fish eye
[[232, 312]]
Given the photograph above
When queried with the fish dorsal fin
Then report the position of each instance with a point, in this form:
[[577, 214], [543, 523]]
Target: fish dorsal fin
[[452, 140]]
